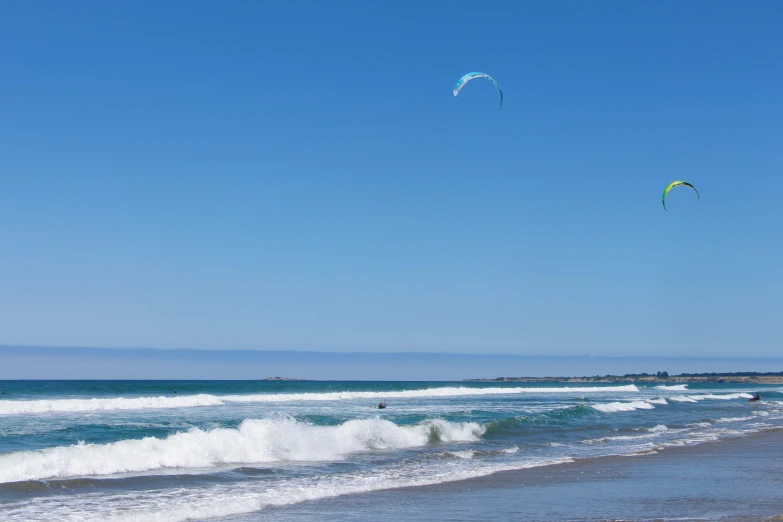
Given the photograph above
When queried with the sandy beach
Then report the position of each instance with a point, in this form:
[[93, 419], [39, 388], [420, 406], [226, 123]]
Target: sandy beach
[[738, 479]]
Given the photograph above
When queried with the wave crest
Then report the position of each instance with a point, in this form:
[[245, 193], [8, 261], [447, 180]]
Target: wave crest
[[254, 441], [711, 396], [614, 407]]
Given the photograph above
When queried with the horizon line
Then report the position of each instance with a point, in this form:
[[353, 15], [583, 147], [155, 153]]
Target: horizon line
[[376, 353]]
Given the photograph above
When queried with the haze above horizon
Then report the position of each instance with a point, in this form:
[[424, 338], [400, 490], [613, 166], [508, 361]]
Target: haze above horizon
[[34, 363]]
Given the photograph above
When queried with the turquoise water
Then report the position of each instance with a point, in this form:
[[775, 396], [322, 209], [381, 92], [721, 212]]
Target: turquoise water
[[179, 450]]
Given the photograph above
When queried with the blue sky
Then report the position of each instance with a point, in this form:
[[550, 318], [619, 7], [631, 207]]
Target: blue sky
[[298, 175]]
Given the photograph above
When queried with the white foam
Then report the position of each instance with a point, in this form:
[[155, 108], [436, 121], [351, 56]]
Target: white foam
[[724, 397], [677, 387], [222, 501], [724, 420], [604, 440], [657, 400], [189, 401], [652, 433], [119, 403], [682, 398], [254, 441], [710, 396], [614, 407], [464, 454]]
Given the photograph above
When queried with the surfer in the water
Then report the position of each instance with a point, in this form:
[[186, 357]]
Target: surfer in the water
[[756, 397], [382, 405]]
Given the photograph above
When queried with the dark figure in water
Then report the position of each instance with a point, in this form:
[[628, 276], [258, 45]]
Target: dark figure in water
[[3, 392], [382, 405], [756, 397]]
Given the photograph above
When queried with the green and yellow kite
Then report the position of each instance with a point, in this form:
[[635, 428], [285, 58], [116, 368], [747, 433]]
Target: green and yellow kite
[[674, 184]]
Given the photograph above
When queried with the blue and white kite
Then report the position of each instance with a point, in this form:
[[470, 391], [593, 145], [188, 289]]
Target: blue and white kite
[[465, 79]]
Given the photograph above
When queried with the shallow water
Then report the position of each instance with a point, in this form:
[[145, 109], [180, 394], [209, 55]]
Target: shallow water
[[138, 450]]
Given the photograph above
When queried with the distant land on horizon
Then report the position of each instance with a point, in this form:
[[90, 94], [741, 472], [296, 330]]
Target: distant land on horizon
[[660, 377]]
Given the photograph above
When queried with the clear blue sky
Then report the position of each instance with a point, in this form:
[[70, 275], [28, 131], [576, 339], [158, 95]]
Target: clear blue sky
[[298, 175]]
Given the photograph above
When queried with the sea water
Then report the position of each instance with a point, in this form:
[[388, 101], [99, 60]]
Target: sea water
[[191, 450]]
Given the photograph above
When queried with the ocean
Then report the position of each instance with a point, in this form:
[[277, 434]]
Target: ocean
[[240, 450]]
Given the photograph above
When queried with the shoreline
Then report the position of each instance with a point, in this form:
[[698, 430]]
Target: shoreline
[[732, 479]]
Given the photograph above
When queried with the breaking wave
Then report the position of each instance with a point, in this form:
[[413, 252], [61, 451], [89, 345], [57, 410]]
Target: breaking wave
[[710, 396], [254, 441], [614, 407], [189, 401]]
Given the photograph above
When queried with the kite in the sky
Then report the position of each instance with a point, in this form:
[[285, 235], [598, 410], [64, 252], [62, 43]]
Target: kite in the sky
[[470, 76], [674, 184]]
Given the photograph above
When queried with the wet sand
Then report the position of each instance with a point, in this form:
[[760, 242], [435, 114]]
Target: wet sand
[[736, 479]]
